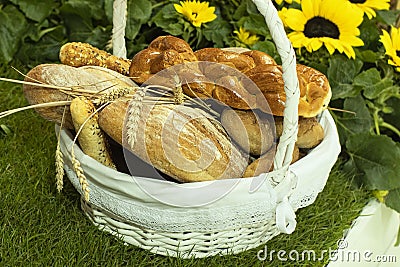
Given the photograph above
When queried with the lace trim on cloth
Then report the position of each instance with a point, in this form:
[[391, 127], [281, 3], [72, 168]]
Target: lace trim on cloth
[[171, 220]]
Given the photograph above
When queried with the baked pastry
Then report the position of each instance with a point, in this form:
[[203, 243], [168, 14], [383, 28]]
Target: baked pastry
[[251, 131], [259, 57], [265, 163], [310, 131], [182, 142], [95, 79], [91, 139], [315, 91], [78, 54], [235, 60], [162, 53]]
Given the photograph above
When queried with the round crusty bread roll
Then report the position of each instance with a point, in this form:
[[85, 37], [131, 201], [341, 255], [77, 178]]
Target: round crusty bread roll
[[238, 61], [180, 141], [89, 77], [251, 131], [162, 53], [315, 91], [259, 57], [265, 163], [310, 131]]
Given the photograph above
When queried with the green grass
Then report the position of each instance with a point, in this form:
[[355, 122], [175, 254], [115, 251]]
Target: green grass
[[40, 227]]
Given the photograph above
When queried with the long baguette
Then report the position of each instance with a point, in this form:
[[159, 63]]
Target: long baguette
[[78, 54], [91, 138]]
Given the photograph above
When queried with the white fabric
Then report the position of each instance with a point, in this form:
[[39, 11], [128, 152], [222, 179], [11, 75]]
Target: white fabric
[[241, 201], [370, 241]]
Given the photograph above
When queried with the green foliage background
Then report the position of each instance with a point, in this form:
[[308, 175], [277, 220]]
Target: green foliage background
[[32, 32]]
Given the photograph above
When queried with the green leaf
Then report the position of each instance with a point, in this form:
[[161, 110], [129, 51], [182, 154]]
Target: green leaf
[[108, 9], [4, 130], [169, 20], [12, 29], [388, 17], [369, 33], [218, 32], [252, 8], [393, 199], [85, 9], [241, 11], [139, 12], [349, 124], [36, 10], [267, 47], [38, 30], [377, 157], [368, 56], [341, 73], [394, 117], [45, 49], [372, 83], [255, 24]]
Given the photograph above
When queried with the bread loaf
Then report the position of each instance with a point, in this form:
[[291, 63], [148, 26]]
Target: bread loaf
[[310, 131], [95, 79], [162, 53], [315, 91], [180, 141], [91, 139], [78, 54], [253, 132], [265, 163]]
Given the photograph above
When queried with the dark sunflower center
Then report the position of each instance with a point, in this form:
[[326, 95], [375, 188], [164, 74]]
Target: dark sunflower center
[[321, 27], [358, 1], [398, 53]]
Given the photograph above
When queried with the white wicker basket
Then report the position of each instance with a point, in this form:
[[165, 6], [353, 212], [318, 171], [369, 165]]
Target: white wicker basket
[[244, 217]]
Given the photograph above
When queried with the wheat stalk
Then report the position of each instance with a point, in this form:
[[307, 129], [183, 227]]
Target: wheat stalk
[[112, 95], [41, 105], [59, 168], [59, 158], [134, 111], [178, 91], [76, 165]]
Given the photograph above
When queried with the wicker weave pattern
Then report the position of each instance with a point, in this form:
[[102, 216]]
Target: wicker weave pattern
[[183, 244]]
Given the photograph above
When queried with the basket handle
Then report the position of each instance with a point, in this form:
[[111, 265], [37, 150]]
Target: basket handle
[[284, 47], [120, 11]]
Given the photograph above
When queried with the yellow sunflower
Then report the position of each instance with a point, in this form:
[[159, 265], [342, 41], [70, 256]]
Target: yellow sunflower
[[246, 37], [392, 46], [333, 23], [282, 15], [196, 12], [369, 6], [287, 1]]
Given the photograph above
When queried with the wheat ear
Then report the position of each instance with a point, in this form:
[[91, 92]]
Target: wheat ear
[[76, 165], [59, 168], [134, 110], [111, 95], [59, 157]]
